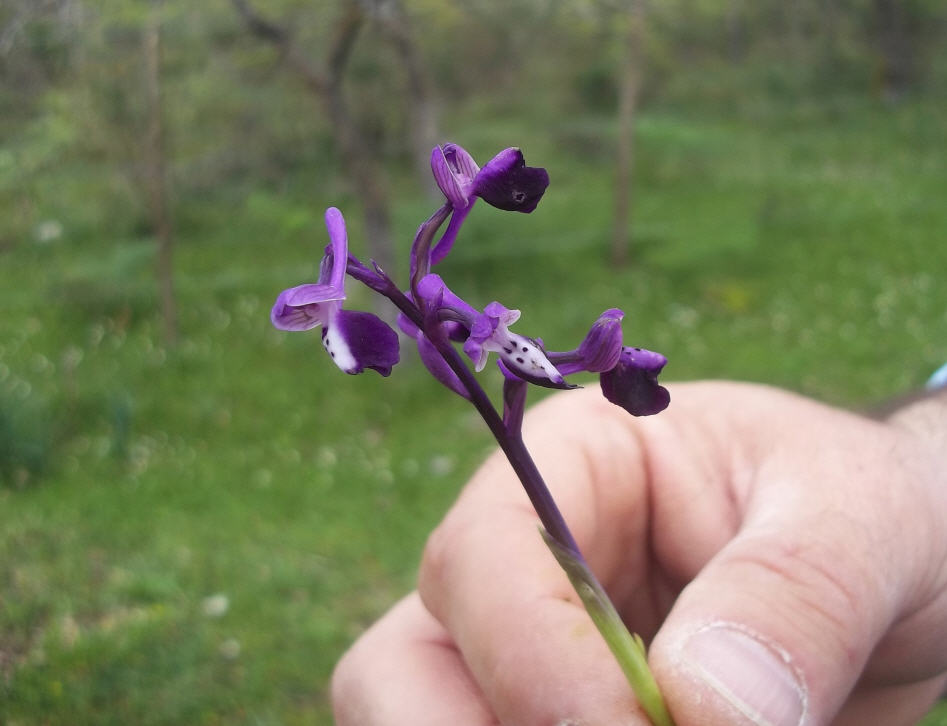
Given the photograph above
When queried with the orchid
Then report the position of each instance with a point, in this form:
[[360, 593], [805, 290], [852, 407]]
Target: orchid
[[505, 182], [354, 340], [446, 328]]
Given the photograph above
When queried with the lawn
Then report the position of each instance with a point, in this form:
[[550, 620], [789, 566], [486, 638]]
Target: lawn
[[194, 534]]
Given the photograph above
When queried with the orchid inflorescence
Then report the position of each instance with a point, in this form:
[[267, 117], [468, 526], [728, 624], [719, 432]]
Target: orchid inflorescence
[[358, 340], [440, 322]]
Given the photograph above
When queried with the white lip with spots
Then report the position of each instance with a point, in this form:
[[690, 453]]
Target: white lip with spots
[[338, 349], [523, 354]]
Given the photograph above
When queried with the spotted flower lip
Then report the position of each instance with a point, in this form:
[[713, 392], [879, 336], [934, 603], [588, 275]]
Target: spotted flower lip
[[523, 357], [483, 333], [354, 340]]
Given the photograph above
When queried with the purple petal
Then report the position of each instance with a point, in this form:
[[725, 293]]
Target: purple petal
[[477, 353], [438, 367], [507, 183], [633, 383], [454, 171], [432, 287], [305, 306], [407, 326], [488, 331], [431, 359], [446, 242], [599, 351], [357, 340], [332, 270]]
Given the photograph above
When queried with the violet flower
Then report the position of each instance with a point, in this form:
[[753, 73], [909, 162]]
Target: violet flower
[[505, 182], [354, 340], [628, 376]]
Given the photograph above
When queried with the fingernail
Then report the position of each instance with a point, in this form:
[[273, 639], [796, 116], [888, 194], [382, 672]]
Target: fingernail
[[754, 676]]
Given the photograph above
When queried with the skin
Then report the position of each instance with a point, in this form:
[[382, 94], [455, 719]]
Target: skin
[[818, 532]]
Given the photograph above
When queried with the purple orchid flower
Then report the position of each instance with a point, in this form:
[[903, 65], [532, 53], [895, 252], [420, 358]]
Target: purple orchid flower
[[488, 332], [354, 340], [504, 182], [628, 376]]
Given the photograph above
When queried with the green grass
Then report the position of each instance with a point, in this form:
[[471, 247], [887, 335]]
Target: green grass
[[798, 246]]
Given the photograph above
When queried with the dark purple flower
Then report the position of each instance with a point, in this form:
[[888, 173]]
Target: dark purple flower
[[507, 183], [504, 182], [355, 340], [633, 383]]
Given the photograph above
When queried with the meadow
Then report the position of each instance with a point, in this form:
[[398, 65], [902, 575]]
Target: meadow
[[193, 534]]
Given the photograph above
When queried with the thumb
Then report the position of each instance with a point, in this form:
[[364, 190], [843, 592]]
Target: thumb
[[776, 629]]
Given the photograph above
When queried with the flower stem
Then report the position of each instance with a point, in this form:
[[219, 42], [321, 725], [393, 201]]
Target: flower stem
[[628, 649]]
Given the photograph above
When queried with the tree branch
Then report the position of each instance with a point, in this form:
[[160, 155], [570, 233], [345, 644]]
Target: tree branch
[[271, 32]]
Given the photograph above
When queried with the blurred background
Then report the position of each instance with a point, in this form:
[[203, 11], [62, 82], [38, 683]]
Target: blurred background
[[197, 512]]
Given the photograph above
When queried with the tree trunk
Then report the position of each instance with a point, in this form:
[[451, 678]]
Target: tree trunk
[[894, 44], [628, 90], [422, 107], [357, 153], [155, 174]]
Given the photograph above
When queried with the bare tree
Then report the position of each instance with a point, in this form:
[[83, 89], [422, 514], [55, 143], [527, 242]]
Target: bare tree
[[155, 172], [895, 48], [325, 80], [629, 23], [422, 110]]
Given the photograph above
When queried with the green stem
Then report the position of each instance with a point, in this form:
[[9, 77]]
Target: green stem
[[628, 649]]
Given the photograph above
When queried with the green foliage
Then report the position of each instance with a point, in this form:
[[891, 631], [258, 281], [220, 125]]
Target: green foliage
[[787, 229], [797, 245], [25, 435]]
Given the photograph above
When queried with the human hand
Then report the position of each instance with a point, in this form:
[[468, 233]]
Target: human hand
[[788, 559]]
